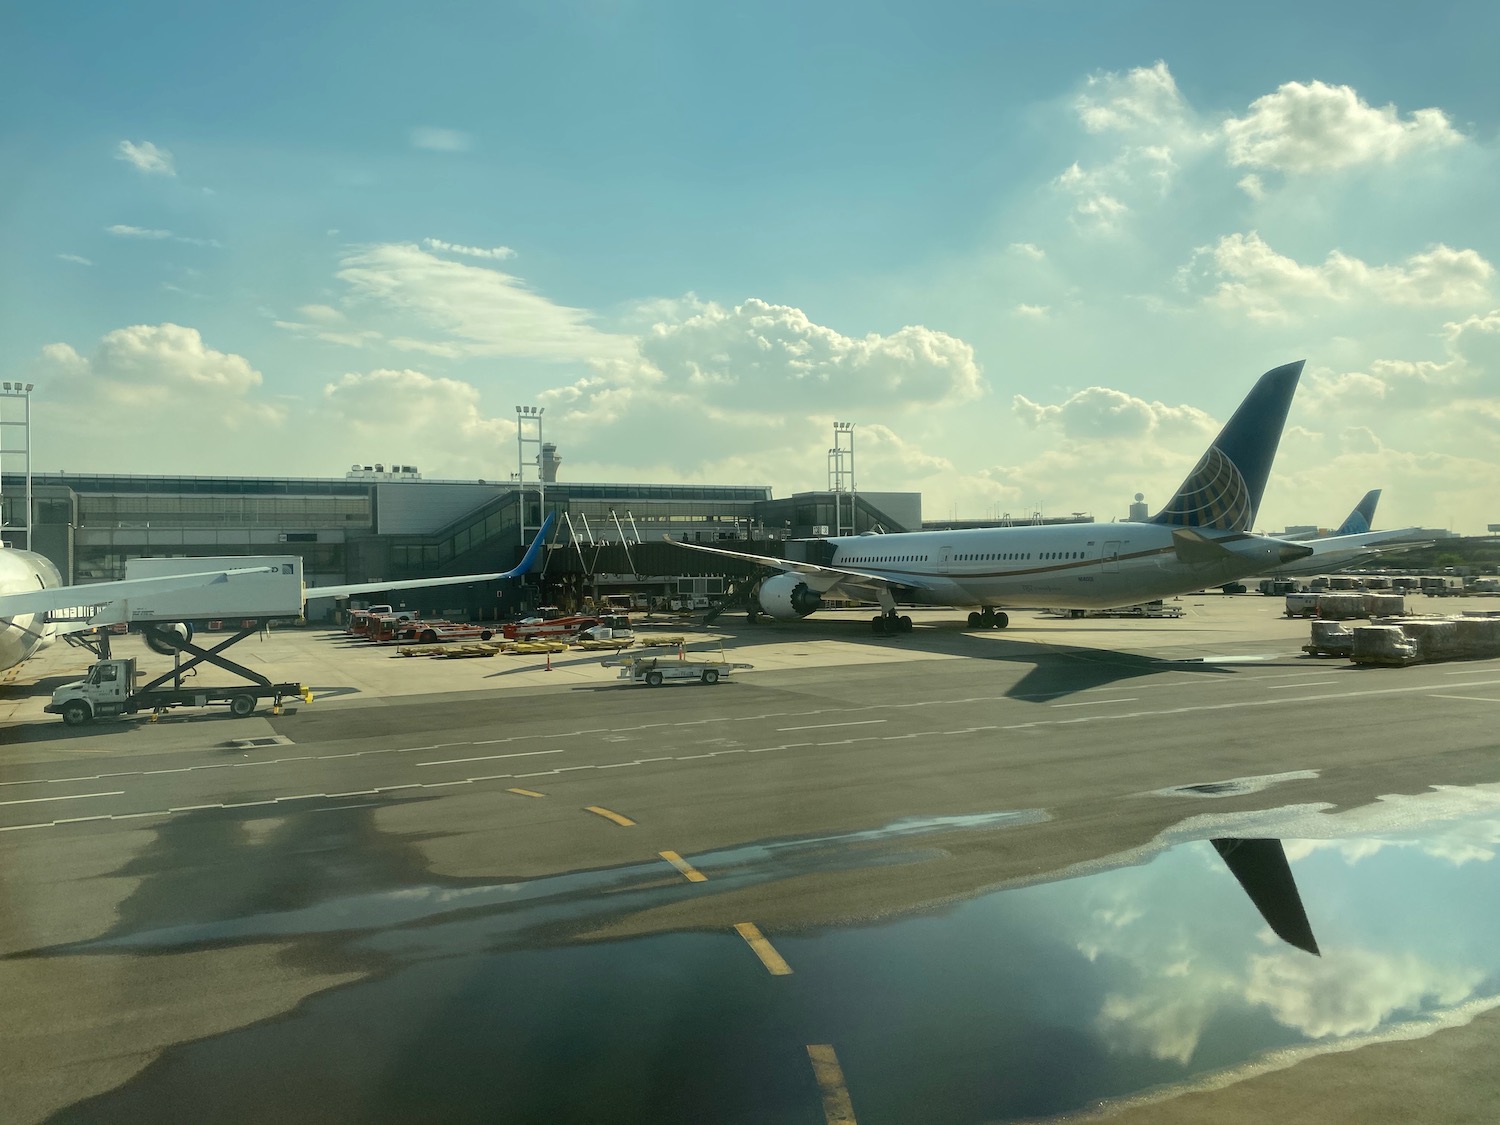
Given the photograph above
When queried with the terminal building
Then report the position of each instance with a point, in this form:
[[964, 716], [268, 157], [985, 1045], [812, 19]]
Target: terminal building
[[378, 522]]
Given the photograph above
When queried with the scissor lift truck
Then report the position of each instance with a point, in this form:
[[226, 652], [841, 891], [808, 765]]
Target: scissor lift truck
[[110, 687]]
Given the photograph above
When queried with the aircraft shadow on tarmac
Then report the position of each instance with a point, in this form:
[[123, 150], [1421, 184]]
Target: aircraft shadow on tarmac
[[1057, 669]]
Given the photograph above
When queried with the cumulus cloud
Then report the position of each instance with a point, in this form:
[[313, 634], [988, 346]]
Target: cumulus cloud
[[441, 420], [441, 140], [1313, 127], [1143, 100], [497, 253], [162, 375], [1100, 413], [196, 406], [480, 310], [1146, 135], [1033, 312], [749, 392], [146, 157], [1028, 250], [1353, 992], [1256, 280], [768, 357]]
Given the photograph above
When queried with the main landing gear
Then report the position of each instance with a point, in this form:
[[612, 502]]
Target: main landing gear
[[889, 624], [988, 619]]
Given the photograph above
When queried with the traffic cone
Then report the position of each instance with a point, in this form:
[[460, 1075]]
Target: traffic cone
[[549, 661]]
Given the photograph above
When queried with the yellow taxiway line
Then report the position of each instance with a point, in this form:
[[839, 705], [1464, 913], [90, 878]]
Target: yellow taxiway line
[[837, 1108], [526, 792], [689, 872], [763, 949], [622, 821]]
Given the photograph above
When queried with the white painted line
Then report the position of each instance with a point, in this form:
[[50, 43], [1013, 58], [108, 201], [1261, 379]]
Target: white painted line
[[69, 797], [1469, 672], [491, 757], [1294, 687], [193, 808], [825, 726], [1470, 698], [1094, 703]]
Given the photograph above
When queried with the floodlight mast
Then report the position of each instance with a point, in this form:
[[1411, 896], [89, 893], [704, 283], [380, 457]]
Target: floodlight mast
[[529, 432], [841, 477], [16, 391]]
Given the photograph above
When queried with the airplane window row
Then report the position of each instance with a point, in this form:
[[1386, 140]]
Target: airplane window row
[[890, 559], [1017, 556]]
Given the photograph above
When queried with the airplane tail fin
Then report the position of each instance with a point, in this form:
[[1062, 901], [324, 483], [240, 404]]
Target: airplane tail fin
[[1224, 489], [1363, 517], [529, 560]]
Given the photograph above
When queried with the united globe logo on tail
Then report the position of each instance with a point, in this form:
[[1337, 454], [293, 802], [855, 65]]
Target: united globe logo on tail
[[1214, 496]]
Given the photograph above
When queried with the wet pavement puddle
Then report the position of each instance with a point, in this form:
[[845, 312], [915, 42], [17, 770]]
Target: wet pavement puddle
[[1146, 970]]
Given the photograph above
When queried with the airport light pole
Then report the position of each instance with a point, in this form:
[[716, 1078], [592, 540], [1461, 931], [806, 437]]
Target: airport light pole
[[841, 476], [529, 432], [17, 392]]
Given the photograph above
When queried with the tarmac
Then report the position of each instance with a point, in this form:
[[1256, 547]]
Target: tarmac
[[174, 886]]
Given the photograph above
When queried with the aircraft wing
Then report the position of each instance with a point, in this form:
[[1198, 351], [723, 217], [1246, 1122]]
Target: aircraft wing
[[1374, 542], [52, 598], [525, 565], [861, 584]]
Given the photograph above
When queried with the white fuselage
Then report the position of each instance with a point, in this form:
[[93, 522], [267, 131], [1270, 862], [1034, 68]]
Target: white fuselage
[[22, 635], [1069, 566]]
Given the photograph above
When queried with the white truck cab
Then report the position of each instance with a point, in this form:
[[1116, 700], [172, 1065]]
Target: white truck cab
[[104, 691]]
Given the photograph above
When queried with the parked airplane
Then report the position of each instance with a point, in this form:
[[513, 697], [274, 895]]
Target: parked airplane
[[31, 588], [1200, 539], [1352, 544]]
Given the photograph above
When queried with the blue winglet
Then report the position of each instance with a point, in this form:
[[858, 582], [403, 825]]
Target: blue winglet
[[533, 551], [1363, 517], [1224, 489]]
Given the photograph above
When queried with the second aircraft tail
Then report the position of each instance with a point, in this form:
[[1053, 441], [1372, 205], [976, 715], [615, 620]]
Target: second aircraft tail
[[1363, 517]]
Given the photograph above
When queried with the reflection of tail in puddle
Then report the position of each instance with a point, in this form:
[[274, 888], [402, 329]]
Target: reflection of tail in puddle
[[1262, 869]]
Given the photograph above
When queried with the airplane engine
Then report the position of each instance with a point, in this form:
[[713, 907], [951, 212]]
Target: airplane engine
[[786, 598], [157, 643]]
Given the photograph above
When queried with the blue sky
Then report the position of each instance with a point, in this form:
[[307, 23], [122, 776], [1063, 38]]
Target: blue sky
[[1036, 251]]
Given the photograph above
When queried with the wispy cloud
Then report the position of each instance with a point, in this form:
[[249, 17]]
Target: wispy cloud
[[147, 157], [497, 253], [441, 140], [124, 230], [78, 258]]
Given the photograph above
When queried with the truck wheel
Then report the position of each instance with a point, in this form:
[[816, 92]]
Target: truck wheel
[[428, 637], [710, 675], [241, 705], [653, 679], [76, 713]]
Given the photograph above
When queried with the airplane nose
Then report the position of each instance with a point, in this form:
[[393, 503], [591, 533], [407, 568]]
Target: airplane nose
[[1291, 552]]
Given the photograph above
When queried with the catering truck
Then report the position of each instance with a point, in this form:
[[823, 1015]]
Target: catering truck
[[112, 687], [268, 588]]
